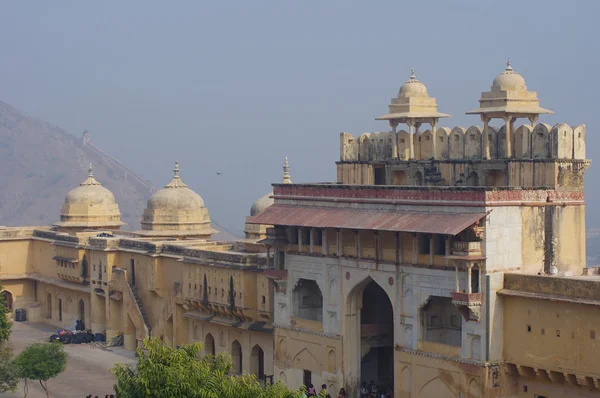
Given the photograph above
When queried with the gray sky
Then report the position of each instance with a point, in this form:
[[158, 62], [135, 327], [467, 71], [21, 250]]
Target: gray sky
[[234, 87]]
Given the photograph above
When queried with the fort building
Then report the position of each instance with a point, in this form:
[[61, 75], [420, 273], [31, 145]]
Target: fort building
[[168, 280], [443, 262]]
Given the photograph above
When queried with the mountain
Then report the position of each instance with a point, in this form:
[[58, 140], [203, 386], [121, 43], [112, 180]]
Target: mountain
[[40, 163]]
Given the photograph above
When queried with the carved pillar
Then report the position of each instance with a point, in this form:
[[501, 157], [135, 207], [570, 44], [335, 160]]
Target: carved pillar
[[394, 125], [300, 240], [340, 248], [411, 140], [507, 128], [447, 249], [434, 122], [431, 247], [415, 249], [311, 238], [377, 246], [324, 242], [357, 243], [456, 262], [485, 153], [398, 248], [469, 267]]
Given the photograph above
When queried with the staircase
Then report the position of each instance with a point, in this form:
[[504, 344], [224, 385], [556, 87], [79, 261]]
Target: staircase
[[142, 311]]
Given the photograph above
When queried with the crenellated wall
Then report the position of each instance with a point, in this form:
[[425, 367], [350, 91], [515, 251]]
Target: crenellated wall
[[542, 142]]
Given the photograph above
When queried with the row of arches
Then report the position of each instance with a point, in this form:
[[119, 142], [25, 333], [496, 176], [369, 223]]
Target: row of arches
[[257, 357], [543, 141]]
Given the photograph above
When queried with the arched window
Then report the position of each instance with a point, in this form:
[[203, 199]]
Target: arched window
[[209, 345], [258, 362], [236, 354]]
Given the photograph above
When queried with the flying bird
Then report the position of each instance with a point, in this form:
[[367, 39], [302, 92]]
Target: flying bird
[[218, 173]]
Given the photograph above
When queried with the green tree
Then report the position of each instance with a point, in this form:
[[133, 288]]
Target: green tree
[[5, 322], [163, 372], [41, 362], [8, 375]]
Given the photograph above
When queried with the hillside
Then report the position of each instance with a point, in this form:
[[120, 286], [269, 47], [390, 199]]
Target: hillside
[[40, 163]]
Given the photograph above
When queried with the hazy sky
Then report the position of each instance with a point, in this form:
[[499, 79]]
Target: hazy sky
[[233, 87]]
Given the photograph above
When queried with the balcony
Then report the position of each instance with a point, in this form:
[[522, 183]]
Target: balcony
[[469, 304], [69, 269], [466, 249], [468, 299]]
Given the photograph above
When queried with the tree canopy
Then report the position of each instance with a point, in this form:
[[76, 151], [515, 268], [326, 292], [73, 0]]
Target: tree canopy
[[41, 361], [8, 375], [164, 372]]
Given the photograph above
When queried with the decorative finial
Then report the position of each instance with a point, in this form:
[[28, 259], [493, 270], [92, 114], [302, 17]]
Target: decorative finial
[[508, 66], [90, 180], [286, 172], [412, 74], [176, 181]]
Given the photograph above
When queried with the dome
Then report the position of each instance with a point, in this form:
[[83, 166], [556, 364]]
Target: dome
[[175, 196], [259, 231], [90, 205], [261, 204], [413, 87], [176, 199], [509, 80], [176, 210], [90, 194]]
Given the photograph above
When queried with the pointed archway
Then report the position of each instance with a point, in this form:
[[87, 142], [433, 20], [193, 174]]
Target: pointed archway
[[209, 345], [370, 337], [236, 355], [8, 299], [257, 364]]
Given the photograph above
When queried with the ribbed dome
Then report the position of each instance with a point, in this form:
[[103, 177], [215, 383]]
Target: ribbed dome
[[261, 204], [90, 205], [509, 80], [412, 87]]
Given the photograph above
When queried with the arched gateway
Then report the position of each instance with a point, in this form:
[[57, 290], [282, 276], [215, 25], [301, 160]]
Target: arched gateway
[[370, 337]]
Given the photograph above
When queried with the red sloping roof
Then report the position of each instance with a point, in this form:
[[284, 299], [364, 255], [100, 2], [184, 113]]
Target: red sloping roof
[[405, 221]]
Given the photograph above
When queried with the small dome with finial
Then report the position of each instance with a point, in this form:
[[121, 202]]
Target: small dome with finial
[[176, 195], [413, 87], [177, 211], [90, 205], [267, 200], [509, 80]]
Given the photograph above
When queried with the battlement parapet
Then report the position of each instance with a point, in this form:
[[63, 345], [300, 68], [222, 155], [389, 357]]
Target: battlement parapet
[[542, 142]]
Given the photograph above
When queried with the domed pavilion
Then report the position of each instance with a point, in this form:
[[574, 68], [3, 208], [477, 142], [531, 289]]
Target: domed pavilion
[[89, 206], [176, 211]]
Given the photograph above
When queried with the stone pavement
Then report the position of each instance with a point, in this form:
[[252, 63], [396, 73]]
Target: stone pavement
[[88, 368]]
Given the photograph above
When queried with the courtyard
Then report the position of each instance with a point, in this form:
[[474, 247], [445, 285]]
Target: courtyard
[[88, 367]]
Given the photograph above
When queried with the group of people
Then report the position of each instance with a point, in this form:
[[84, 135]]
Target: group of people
[[312, 391], [372, 391]]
